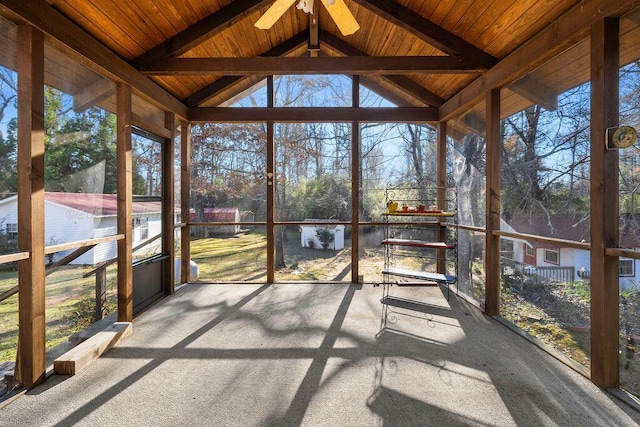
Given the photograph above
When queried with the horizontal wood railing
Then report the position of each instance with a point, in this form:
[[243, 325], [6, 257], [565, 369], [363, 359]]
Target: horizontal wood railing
[[550, 240], [81, 243], [7, 258], [81, 246]]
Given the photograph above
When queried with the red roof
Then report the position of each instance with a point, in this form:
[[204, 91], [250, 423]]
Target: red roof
[[98, 204], [573, 227]]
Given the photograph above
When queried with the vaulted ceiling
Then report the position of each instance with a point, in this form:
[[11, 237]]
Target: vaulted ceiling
[[421, 53]]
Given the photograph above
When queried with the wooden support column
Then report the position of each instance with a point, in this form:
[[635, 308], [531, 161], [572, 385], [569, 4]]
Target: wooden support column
[[168, 204], [271, 183], [125, 203], [492, 243], [31, 362], [355, 183], [441, 174], [185, 197], [604, 204]]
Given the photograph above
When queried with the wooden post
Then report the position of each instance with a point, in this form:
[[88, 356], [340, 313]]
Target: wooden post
[[185, 196], [31, 362], [271, 183], [355, 183], [168, 205], [441, 173], [604, 204], [101, 292], [492, 242], [125, 204]]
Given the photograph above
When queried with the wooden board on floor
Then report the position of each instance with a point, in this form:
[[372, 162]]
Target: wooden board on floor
[[83, 354]]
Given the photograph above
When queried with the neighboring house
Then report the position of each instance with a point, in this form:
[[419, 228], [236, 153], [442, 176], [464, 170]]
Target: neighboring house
[[309, 235], [71, 217], [220, 215], [548, 259]]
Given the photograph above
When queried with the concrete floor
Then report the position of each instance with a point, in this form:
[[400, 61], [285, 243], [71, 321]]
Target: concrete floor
[[319, 355]]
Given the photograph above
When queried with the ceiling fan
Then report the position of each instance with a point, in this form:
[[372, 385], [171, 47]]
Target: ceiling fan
[[337, 9]]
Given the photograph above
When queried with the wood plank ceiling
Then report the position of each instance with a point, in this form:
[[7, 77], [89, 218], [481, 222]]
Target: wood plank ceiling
[[179, 44]]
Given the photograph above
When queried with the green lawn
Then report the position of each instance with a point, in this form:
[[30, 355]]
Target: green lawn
[[70, 306]]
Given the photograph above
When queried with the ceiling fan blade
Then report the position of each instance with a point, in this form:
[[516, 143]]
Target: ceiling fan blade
[[342, 16], [277, 9]]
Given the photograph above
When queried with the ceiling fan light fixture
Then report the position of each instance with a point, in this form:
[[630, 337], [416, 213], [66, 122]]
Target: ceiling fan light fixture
[[337, 9], [306, 6]]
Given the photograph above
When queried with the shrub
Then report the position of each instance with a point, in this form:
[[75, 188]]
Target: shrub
[[325, 236]]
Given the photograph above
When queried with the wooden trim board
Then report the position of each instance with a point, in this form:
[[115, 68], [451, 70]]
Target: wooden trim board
[[86, 352]]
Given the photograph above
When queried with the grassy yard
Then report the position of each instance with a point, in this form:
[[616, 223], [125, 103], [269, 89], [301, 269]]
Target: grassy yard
[[558, 314], [244, 258], [70, 306]]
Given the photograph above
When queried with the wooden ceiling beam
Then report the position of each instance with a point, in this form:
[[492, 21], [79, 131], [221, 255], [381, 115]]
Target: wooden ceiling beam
[[201, 31], [409, 87], [224, 83], [100, 58], [314, 30], [310, 65], [564, 32], [427, 31], [313, 114]]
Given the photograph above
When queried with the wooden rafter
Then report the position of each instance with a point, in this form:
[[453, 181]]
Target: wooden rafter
[[314, 30], [408, 86], [201, 31], [310, 65], [225, 82], [97, 55], [312, 114], [413, 91], [427, 31], [561, 34]]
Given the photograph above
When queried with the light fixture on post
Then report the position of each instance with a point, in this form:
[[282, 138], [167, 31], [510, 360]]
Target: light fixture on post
[[337, 9]]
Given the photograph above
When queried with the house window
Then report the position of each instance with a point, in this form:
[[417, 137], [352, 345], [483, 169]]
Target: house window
[[144, 228], [552, 256], [626, 268], [12, 231], [528, 250], [143, 225]]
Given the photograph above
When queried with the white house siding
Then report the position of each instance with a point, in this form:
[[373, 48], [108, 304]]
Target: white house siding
[[8, 212], [105, 226], [64, 225], [518, 250], [308, 233], [582, 260]]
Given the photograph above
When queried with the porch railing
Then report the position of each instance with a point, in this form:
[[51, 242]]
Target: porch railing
[[519, 271]]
